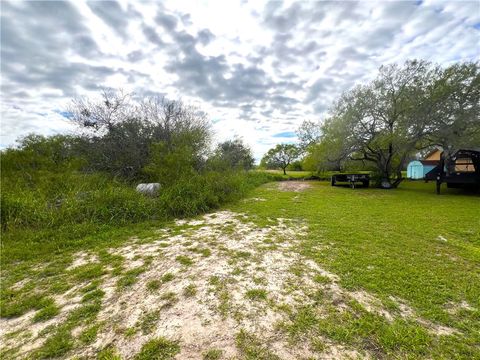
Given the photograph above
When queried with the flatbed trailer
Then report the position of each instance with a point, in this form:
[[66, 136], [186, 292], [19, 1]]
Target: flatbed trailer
[[461, 170], [352, 179]]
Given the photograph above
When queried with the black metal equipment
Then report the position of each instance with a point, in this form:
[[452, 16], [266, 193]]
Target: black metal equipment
[[352, 179], [460, 170]]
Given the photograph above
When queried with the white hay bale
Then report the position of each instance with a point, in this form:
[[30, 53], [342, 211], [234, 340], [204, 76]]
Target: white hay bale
[[150, 189]]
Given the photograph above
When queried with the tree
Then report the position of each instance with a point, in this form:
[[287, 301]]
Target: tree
[[234, 154], [405, 109], [112, 108], [331, 152], [38, 152], [281, 156], [124, 132], [309, 133], [455, 116]]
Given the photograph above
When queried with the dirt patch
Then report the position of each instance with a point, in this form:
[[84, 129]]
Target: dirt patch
[[201, 282], [254, 199], [295, 186], [237, 263], [82, 258], [236, 278], [454, 308]]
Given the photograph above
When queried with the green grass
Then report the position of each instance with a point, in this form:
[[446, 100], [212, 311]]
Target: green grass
[[253, 348], [169, 298], [87, 272], [256, 294], [158, 349], [212, 354], [388, 243], [167, 277], [205, 252], [190, 290], [291, 174], [57, 345], [148, 321], [184, 260], [93, 295], [108, 353], [130, 277], [89, 334], [49, 311], [153, 285]]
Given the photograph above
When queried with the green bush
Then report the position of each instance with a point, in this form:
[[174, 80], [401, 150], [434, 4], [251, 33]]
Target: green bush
[[51, 196]]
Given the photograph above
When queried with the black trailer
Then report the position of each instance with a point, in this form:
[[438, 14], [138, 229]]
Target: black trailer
[[351, 179], [460, 170]]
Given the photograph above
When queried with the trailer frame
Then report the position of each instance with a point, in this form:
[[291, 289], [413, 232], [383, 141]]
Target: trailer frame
[[351, 179]]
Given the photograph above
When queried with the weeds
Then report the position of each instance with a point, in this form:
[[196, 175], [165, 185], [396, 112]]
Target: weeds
[[190, 291], [158, 349], [212, 354], [148, 321], [256, 294], [167, 277]]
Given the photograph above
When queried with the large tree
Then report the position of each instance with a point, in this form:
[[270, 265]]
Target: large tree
[[281, 156], [125, 132], [403, 110], [455, 109]]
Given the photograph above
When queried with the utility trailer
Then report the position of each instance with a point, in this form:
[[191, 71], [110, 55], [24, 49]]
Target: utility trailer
[[351, 179], [460, 170]]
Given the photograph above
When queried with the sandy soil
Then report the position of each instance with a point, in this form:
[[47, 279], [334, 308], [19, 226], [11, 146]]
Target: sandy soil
[[242, 257], [293, 186]]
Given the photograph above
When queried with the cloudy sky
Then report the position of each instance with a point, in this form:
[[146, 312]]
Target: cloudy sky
[[257, 68]]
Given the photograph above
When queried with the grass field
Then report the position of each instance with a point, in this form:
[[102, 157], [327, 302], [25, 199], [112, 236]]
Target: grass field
[[290, 174], [296, 270]]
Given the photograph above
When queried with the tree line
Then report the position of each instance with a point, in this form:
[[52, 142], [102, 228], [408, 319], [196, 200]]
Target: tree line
[[381, 125], [87, 179], [146, 139]]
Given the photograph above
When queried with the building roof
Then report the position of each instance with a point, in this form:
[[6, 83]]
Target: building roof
[[429, 162], [434, 154]]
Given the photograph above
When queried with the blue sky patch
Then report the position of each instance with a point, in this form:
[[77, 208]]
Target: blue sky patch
[[285, 134], [66, 114]]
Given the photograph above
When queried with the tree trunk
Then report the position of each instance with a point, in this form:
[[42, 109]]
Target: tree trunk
[[398, 180], [284, 171]]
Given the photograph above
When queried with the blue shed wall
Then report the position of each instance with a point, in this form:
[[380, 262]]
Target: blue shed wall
[[427, 168], [415, 170]]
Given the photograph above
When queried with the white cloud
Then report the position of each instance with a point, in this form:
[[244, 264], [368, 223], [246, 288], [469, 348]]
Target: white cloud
[[258, 68]]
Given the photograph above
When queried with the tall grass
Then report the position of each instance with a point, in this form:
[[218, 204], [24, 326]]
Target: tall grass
[[44, 212], [50, 200]]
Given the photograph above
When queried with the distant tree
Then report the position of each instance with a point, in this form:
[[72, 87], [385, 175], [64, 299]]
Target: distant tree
[[331, 152], [122, 151], [281, 156], [169, 166], [296, 165], [38, 152], [234, 154]]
